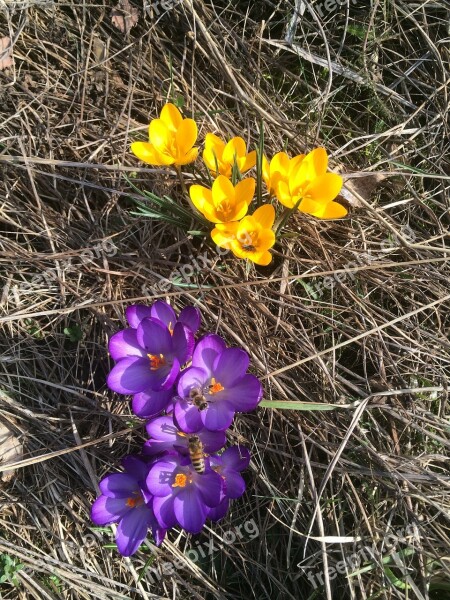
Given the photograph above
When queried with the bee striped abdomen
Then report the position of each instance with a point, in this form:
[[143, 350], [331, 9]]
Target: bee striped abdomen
[[196, 454]]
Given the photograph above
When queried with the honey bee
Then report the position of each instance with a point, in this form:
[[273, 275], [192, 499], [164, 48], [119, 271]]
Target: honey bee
[[198, 399], [196, 453], [248, 248]]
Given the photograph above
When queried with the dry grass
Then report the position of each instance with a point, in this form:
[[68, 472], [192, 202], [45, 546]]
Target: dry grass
[[323, 485]]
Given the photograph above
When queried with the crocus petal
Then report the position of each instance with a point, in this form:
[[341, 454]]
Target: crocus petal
[[325, 188], [132, 531], [171, 116], [186, 136], [164, 513], [222, 236], [154, 337], [160, 478], [200, 196], [234, 485], [136, 312], [190, 317], [160, 136], [187, 416], [163, 312], [265, 215], [266, 239], [159, 533], [149, 403], [230, 366], [212, 440], [190, 510], [261, 258], [218, 416], [149, 154], [283, 194], [244, 396], [183, 342], [279, 164], [192, 377], [333, 210], [189, 157], [222, 189], [162, 429], [108, 510], [218, 512], [210, 486], [245, 190], [124, 344], [319, 161], [249, 162], [236, 457], [119, 485], [136, 467], [206, 351], [132, 375], [234, 149]]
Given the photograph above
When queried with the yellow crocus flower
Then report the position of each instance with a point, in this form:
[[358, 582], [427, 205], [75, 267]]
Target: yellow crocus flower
[[220, 157], [224, 202]]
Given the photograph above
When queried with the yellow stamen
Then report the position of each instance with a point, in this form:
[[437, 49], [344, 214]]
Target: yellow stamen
[[156, 361], [215, 386]]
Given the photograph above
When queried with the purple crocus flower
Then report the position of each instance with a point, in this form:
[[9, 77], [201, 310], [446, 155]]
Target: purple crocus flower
[[189, 316], [167, 437], [215, 387], [181, 495], [125, 499], [149, 357], [228, 465], [150, 403]]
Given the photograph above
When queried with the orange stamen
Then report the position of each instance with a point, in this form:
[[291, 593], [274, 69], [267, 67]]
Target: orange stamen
[[138, 500], [215, 387], [180, 480], [156, 361]]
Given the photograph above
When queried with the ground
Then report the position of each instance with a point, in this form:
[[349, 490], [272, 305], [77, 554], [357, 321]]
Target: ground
[[347, 496]]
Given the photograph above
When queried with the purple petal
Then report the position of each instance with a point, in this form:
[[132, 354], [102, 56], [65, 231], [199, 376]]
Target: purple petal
[[164, 313], [159, 533], [119, 485], [162, 429], [108, 510], [167, 376], [218, 416], [206, 352], [136, 313], [124, 343], [244, 395], [149, 403], [132, 375], [234, 484], [135, 467], [218, 512], [192, 377], [190, 317], [164, 513], [236, 458], [132, 530], [210, 486], [183, 342], [160, 478], [212, 440], [231, 366], [190, 510], [154, 337], [187, 416]]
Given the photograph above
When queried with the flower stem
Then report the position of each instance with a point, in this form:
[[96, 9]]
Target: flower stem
[[281, 221], [184, 188]]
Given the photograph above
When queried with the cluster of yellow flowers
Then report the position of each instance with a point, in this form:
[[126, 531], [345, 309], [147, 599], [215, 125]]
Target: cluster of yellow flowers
[[300, 182]]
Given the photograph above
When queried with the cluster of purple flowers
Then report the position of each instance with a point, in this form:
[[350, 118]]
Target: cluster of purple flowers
[[189, 392]]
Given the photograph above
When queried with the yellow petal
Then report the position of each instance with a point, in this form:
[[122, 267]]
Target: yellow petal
[[222, 189], [319, 160], [186, 136], [148, 154], [279, 164], [266, 239], [325, 188], [261, 258], [245, 190], [311, 207], [248, 162], [294, 164], [234, 149], [188, 157], [283, 194], [160, 135], [213, 142], [266, 171], [265, 216], [171, 116], [240, 211], [222, 235], [333, 210], [200, 196]]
